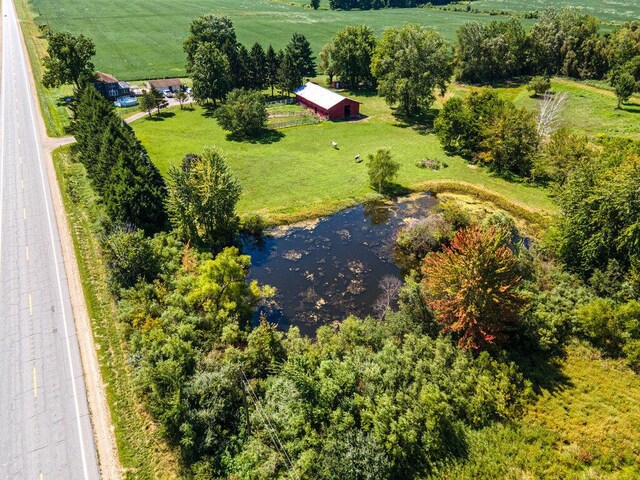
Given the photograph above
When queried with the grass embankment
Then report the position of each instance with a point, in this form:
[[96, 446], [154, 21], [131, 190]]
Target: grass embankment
[[143, 39], [55, 113], [143, 452], [585, 424], [295, 173]]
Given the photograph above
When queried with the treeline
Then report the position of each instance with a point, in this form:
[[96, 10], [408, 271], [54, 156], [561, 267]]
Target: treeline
[[378, 4], [218, 63], [129, 184]]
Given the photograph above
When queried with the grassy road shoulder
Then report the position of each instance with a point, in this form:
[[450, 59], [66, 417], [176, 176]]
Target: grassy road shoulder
[[55, 114], [143, 452]]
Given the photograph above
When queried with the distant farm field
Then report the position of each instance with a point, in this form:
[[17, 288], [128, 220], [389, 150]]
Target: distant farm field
[[143, 38], [606, 10]]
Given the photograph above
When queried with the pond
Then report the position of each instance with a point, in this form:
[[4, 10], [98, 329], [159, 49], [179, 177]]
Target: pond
[[332, 268]]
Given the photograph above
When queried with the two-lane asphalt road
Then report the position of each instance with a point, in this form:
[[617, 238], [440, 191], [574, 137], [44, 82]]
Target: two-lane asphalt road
[[45, 430]]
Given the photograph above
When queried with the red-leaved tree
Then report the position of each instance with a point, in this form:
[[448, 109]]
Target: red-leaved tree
[[471, 286]]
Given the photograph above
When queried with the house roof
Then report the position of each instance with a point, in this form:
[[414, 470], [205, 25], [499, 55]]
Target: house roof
[[105, 77], [323, 97], [164, 83]]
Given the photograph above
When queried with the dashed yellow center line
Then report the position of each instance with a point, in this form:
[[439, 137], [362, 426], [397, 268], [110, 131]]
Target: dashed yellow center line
[[41, 476], [24, 213], [35, 383], [30, 306]]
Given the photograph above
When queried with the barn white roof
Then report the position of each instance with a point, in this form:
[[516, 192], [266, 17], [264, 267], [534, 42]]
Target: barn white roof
[[323, 97]]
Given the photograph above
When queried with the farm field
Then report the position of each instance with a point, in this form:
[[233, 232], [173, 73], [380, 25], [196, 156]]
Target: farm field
[[295, 171], [143, 39], [606, 10]]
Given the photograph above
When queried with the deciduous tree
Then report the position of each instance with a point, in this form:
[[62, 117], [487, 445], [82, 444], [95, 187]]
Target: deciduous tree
[[244, 113], [211, 29], [382, 169], [202, 198], [472, 286], [409, 64], [351, 55], [210, 73], [68, 60]]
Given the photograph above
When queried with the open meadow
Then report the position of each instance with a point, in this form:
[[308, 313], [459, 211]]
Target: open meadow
[[295, 171], [589, 109]]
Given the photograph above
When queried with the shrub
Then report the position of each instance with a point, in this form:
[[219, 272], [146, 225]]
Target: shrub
[[415, 241], [254, 225], [539, 85], [382, 169], [454, 214], [244, 113]]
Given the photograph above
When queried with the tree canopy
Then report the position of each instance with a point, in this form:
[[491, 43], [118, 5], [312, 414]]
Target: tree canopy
[[202, 198], [472, 287], [410, 63], [68, 60]]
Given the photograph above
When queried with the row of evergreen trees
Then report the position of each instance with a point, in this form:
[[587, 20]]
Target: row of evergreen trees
[[131, 187], [218, 63]]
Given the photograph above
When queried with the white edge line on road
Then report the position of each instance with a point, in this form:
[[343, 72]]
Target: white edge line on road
[[36, 131], [3, 96]]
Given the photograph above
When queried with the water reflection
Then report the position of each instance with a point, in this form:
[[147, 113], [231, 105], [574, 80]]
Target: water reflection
[[332, 269]]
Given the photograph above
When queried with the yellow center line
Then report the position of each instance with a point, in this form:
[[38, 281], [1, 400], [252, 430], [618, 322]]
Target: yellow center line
[[30, 306], [41, 476], [20, 155], [24, 213], [35, 383]]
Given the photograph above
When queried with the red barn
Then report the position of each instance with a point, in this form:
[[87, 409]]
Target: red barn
[[326, 103]]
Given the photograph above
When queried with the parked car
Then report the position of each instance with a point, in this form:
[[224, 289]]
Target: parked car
[[167, 93]]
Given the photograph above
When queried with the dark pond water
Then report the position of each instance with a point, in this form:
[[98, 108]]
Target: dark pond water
[[333, 268]]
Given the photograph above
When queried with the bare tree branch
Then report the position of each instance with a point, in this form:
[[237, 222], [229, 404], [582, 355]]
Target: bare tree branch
[[390, 287], [551, 108]]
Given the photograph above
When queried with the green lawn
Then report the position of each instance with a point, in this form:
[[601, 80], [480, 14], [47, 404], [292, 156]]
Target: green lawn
[[297, 172], [143, 39]]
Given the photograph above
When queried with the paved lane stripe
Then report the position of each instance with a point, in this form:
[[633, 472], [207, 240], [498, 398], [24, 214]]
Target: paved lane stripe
[[3, 96], [30, 306], [26, 248], [32, 112], [35, 383]]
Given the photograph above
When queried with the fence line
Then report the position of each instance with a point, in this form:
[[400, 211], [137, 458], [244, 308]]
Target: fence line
[[284, 101], [308, 120]]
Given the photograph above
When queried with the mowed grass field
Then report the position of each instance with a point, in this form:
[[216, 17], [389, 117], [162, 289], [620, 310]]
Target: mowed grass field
[[295, 172], [143, 38], [606, 10]]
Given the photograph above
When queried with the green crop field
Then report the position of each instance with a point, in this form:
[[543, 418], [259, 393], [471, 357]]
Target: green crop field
[[606, 10], [143, 39]]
